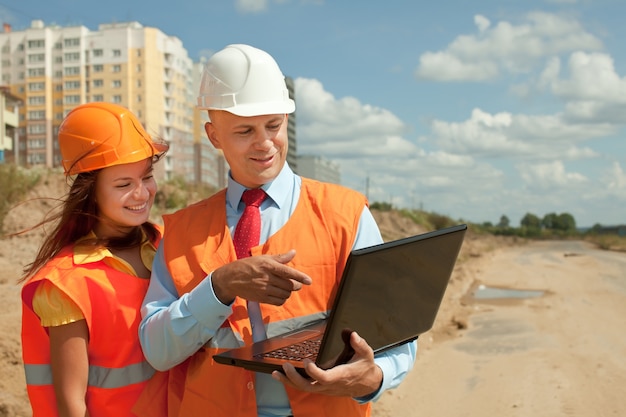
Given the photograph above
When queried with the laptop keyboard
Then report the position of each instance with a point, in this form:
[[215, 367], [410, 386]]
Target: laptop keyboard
[[296, 352]]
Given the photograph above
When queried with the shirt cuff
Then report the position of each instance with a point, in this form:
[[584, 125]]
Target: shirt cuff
[[204, 305]]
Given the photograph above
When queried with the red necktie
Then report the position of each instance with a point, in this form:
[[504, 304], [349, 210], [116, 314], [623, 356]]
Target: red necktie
[[247, 235], [248, 230]]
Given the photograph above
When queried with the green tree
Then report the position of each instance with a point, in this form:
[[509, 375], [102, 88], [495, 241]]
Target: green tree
[[549, 220], [566, 222], [531, 221], [530, 225], [504, 222]]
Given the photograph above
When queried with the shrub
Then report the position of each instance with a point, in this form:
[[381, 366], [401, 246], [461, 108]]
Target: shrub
[[15, 182]]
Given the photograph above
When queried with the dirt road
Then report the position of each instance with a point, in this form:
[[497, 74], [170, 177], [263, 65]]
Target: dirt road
[[561, 354]]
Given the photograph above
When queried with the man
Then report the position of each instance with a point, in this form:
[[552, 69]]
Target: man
[[204, 297]]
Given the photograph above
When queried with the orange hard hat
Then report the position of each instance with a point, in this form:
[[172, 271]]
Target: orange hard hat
[[99, 135]]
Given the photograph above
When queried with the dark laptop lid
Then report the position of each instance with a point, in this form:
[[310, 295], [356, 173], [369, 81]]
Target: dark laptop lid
[[390, 293]]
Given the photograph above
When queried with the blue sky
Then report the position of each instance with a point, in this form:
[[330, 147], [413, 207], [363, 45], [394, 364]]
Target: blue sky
[[470, 109]]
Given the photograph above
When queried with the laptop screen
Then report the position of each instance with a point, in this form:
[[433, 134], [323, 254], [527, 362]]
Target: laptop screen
[[393, 293]]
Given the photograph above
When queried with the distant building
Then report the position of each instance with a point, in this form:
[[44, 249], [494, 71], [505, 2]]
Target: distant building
[[210, 166], [9, 122], [319, 168], [53, 69], [292, 152]]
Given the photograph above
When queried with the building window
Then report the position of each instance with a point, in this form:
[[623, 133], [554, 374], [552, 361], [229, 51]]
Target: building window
[[98, 97], [71, 42], [71, 70], [37, 128], [73, 99], [98, 68], [36, 43], [36, 144], [98, 83], [117, 53], [36, 115], [36, 100], [36, 72], [72, 85], [36, 158], [71, 56], [36, 86], [98, 52], [117, 99], [33, 58], [116, 84], [117, 68]]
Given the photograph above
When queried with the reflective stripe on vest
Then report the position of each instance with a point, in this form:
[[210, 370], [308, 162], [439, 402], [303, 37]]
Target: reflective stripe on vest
[[99, 376]]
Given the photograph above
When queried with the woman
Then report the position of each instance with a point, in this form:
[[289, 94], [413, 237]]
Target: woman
[[83, 291]]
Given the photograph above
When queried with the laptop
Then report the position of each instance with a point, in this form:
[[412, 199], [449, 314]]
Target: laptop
[[389, 293]]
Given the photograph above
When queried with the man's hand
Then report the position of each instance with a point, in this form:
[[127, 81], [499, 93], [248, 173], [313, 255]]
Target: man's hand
[[265, 278], [357, 378]]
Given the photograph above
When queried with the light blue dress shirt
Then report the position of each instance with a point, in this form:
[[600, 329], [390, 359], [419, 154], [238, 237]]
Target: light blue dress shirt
[[174, 328]]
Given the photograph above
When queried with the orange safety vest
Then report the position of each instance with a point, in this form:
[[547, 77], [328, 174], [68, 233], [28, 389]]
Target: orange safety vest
[[110, 301], [323, 229]]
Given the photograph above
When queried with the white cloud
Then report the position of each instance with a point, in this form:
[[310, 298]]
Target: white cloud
[[445, 66], [592, 77], [345, 127], [518, 136], [251, 6], [506, 47], [370, 142], [616, 180], [482, 23], [549, 175]]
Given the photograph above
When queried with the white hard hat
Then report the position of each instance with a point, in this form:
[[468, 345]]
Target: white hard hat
[[245, 81]]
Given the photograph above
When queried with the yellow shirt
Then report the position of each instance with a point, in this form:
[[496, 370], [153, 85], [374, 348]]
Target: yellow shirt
[[55, 308]]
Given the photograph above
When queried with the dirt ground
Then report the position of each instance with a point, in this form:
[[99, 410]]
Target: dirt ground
[[558, 354]]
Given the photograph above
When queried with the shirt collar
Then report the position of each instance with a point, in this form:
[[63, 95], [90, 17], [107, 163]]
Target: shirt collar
[[277, 189]]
